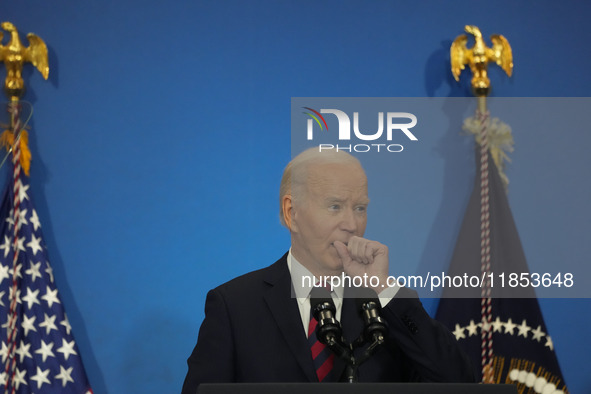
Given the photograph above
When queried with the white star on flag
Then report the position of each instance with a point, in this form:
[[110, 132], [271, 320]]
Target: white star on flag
[[523, 329], [34, 219], [22, 219], [49, 272], [35, 244], [34, 271], [549, 342], [50, 297], [18, 295], [509, 327], [459, 332], [497, 325], [472, 328], [29, 324], [22, 191], [6, 246], [67, 348], [31, 297], [48, 323], [41, 377], [19, 378], [4, 352], [66, 324], [20, 244], [3, 272], [65, 375], [23, 351], [538, 333], [45, 350]]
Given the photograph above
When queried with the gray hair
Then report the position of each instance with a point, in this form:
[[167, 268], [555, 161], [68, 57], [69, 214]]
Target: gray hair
[[295, 175]]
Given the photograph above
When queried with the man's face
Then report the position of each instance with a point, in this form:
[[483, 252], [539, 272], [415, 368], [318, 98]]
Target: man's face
[[333, 208]]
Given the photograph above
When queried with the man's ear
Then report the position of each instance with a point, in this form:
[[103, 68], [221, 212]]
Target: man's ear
[[287, 209]]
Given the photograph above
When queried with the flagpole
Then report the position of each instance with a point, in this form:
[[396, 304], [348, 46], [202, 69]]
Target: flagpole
[[10, 367], [478, 58]]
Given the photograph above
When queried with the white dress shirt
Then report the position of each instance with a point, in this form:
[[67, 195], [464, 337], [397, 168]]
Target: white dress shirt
[[302, 293]]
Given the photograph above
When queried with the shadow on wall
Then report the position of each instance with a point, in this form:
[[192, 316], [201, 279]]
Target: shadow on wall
[[39, 177], [457, 151], [148, 365]]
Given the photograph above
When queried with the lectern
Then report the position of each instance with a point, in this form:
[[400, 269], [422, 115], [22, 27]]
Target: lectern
[[356, 388]]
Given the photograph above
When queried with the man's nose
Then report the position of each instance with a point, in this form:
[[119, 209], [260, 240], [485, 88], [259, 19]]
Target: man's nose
[[349, 222]]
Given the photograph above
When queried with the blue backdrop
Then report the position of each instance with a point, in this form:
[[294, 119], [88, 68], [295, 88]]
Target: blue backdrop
[[159, 141]]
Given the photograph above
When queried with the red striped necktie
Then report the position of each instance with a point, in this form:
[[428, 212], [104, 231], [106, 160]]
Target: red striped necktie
[[321, 354]]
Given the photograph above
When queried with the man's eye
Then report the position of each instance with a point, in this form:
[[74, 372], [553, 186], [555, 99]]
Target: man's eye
[[334, 207], [361, 208]]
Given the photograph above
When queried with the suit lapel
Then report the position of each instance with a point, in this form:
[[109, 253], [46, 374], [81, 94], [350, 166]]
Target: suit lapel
[[286, 313]]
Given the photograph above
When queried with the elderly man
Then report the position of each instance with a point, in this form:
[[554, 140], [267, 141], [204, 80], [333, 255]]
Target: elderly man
[[258, 328]]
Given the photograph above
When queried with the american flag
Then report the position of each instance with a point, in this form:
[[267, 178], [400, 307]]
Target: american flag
[[43, 356]]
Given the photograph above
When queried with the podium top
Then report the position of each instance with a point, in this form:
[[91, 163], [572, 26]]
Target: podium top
[[356, 388]]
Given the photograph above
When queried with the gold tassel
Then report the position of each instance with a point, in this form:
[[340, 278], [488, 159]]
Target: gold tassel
[[500, 142], [7, 140]]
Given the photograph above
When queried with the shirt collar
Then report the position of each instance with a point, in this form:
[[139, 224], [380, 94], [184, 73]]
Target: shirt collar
[[299, 275]]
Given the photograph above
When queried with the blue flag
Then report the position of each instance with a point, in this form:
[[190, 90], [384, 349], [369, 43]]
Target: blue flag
[[45, 358], [523, 351]]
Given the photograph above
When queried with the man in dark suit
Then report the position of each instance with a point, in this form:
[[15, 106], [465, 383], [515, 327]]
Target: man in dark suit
[[257, 326]]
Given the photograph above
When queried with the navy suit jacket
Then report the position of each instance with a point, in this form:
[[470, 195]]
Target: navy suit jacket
[[253, 332]]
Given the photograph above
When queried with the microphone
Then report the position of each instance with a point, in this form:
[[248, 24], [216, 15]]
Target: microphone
[[329, 330], [369, 308]]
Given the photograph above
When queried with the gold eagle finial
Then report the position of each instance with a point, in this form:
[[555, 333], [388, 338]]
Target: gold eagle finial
[[14, 55], [478, 58]]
